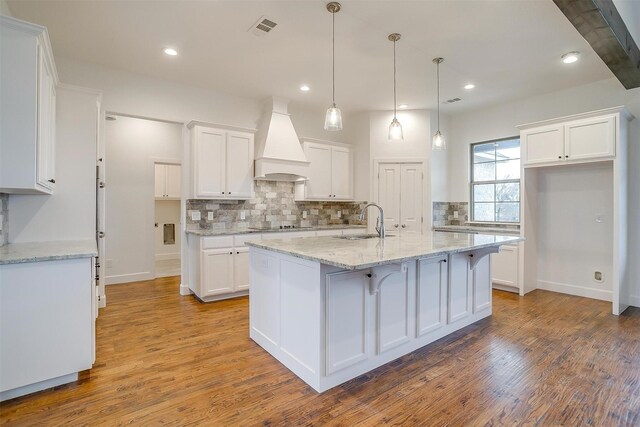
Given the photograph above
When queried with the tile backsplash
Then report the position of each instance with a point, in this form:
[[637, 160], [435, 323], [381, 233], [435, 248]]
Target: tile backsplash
[[4, 219], [273, 205], [443, 213]]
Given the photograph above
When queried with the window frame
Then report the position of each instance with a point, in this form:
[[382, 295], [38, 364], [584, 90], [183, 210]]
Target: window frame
[[472, 182]]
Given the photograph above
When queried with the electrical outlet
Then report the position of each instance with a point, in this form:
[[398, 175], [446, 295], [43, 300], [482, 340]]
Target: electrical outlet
[[195, 216], [455, 214], [339, 214], [304, 214], [243, 215], [597, 276], [210, 216]]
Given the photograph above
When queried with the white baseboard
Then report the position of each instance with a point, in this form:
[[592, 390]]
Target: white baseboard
[[103, 301], [184, 289], [127, 278], [579, 291], [634, 300], [42, 385], [166, 257]]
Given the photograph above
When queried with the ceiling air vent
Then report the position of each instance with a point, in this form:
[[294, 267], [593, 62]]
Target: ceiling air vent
[[452, 100], [263, 26]]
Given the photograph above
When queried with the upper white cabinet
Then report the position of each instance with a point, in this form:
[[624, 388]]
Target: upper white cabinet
[[222, 162], [577, 140], [330, 175], [27, 108], [167, 181]]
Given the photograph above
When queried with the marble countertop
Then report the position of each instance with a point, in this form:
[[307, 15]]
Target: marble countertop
[[15, 253], [477, 229], [359, 254], [232, 231]]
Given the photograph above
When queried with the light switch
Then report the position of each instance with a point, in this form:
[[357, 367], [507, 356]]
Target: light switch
[[210, 216], [304, 214], [455, 214], [195, 216], [243, 215]]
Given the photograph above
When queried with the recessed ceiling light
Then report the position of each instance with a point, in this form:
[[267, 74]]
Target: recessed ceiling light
[[170, 51], [469, 86], [403, 106], [570, 58], [305, 88]]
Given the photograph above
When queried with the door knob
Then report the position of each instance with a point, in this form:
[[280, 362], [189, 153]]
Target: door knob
[[404, 226]]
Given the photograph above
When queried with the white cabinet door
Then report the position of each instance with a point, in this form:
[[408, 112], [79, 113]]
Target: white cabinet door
[[543, 145], [347, 320], [504, 266], [46, 123], [393, 311], [241, 269], [341, 173], [159, 180], [431, 295], [460, 287], [389, 195], [482, 285], [411, 198], [209, 163], [239, 165], [173, 180], [319, 183], [589, 138], [217, 272]]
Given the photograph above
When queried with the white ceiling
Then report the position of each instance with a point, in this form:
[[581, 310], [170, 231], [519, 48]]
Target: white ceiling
[[509, 49]]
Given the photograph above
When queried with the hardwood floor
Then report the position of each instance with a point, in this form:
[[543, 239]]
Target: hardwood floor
[[546, 359]]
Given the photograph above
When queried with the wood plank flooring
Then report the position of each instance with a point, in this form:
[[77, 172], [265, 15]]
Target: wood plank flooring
[[546, 359]]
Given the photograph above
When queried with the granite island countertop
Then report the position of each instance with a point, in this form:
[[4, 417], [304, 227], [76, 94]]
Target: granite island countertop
[[360, 254], [477, 229], [16, 253], [233, 231]]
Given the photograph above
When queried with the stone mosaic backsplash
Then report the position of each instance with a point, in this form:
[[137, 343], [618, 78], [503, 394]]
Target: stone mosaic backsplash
[[273, 206], [443, 213], [4, 219]]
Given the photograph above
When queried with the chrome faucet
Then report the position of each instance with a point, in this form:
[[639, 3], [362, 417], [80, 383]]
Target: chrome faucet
[[379, 221]]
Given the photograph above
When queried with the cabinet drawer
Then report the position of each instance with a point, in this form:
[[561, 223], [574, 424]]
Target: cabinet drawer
[[240, 239], [217, 242]]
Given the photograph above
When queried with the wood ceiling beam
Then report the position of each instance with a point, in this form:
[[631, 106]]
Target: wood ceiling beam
[[602, 26]]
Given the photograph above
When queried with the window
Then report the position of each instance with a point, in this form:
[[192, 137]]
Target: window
[[495, 181]]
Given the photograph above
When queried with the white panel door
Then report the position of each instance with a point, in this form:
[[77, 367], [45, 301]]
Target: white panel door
[[172, 182], [504, 266], [217, 272], [319, 183], [431, 295], [411, 179], [460, 287], [241, 269], [393, 311], [482, 285], [46, 122], [543, 145], [341, 176], [389, 194], [347, 329], [210, 163], [589, 138], [159, 180], [239, 165]]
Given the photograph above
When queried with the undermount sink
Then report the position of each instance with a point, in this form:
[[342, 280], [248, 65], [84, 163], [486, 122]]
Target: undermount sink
[[361, 236]]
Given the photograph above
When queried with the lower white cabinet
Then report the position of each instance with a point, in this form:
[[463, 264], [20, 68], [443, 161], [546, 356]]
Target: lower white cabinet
[[217, 272], [241, 269], [505, 268], [47, 324], [431, 295]]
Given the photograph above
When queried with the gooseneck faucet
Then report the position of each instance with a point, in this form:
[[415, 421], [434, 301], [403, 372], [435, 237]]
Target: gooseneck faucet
[[379, 220]]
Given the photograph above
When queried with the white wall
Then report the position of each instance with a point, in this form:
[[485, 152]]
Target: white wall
[[439, 159], [501, 121], [167, 212], [634, 208], [68, 214], [4, 8], [571, 244], [132, 146]]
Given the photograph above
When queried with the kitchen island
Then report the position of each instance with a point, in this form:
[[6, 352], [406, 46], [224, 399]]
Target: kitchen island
[[333, 308]]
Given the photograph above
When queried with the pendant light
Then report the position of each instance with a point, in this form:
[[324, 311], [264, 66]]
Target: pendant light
[[438, 142], [395, 128], [333, 119]]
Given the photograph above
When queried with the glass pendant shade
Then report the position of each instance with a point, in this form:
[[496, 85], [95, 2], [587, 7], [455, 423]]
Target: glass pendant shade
[[395, 131], [438, 142], [333, 119]]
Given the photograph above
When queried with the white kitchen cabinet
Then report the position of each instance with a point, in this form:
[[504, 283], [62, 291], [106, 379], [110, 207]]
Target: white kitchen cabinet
[[217, 272], [571, 141], [222, 162], [347, 317], [28, 105], [431, 295], [167, 181], [330, 174], [241, 269], [460, 288], [393, 320], [504, 267]]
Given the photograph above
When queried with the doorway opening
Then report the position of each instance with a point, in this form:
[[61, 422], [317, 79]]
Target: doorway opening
[[167, 239]]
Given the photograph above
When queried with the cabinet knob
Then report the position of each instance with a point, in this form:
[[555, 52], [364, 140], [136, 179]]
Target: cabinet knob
[[566, 157], [396, 225], [231, 253], [237, 253], [404, 226], [53, 181], [559, 157], [223, 192]]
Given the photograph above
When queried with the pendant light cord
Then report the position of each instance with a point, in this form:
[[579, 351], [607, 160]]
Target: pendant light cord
[[333, 57], [438, 90], [394, 80]]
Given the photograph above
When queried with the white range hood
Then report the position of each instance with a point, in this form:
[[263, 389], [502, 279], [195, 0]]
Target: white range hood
[[279, 153]]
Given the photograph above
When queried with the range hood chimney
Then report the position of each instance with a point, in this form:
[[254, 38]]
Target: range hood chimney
[[279, 153]]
